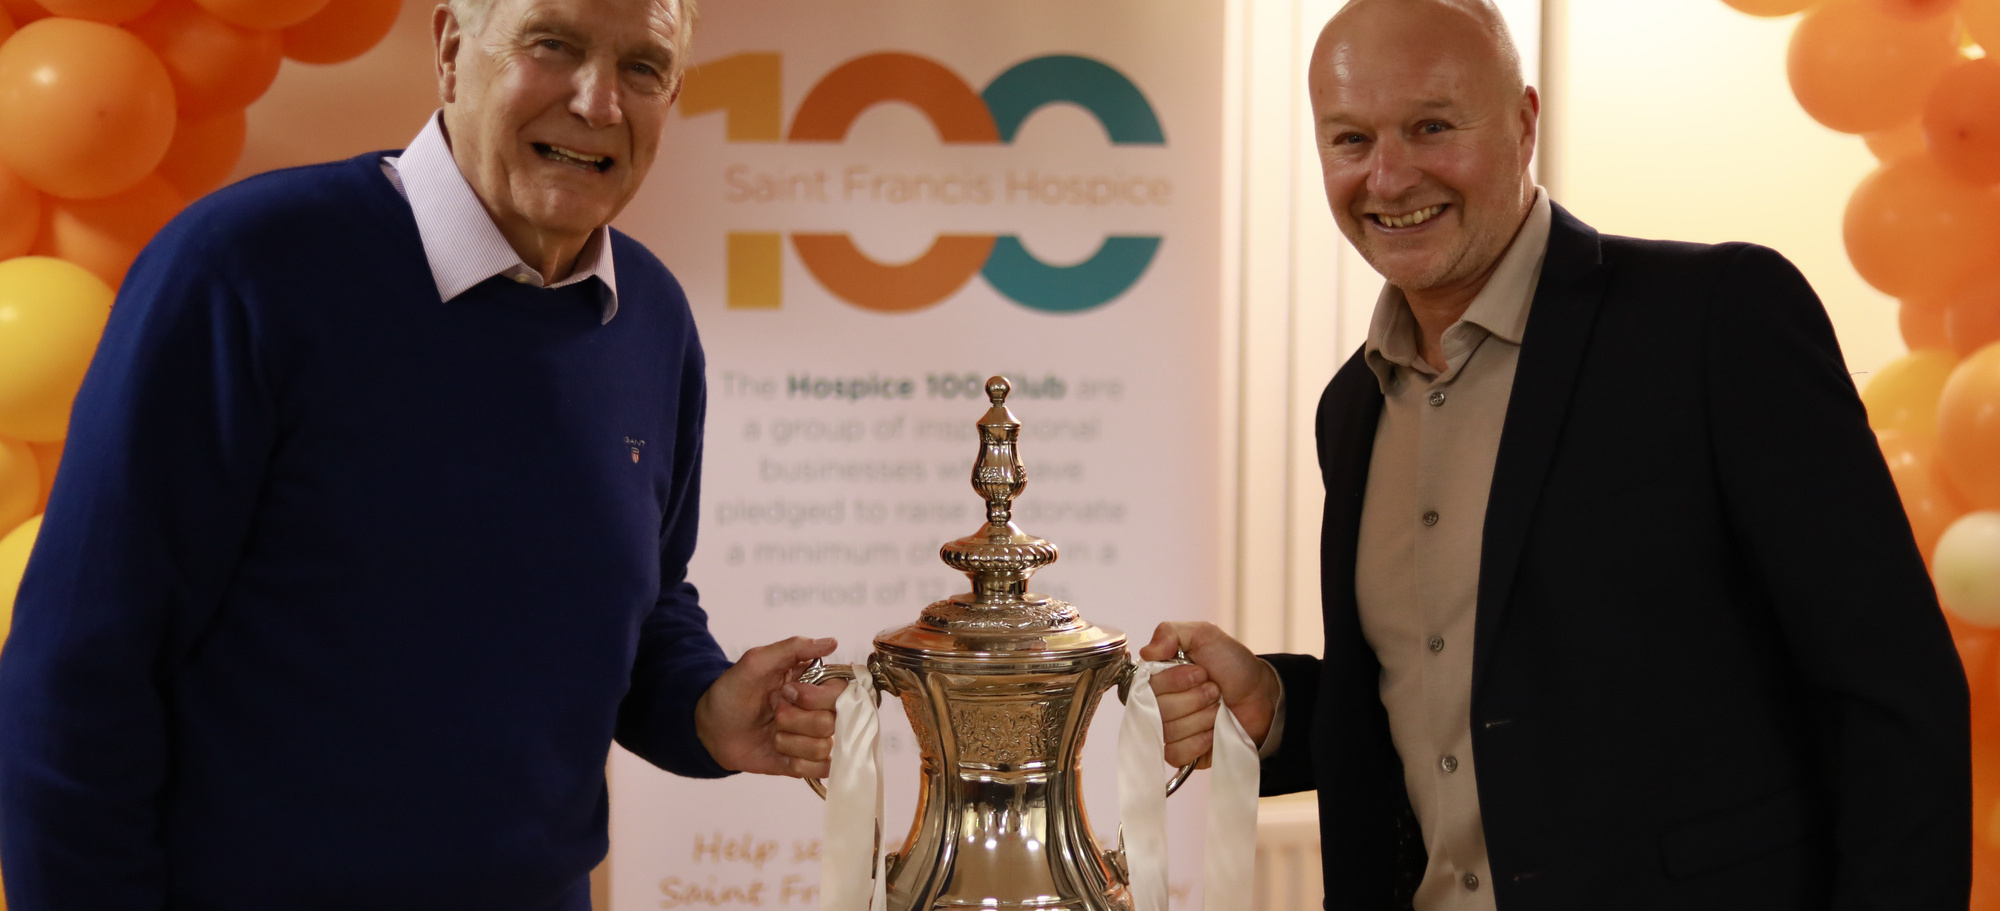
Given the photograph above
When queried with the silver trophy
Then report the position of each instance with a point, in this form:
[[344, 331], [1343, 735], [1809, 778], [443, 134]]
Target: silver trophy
[[1000, 685]]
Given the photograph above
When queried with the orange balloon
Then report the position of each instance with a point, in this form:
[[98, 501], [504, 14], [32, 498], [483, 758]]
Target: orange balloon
[[20, 483], [215, 66], [1928, 500], [49, 455], [20, 215], [1985, 869], [1971, 315], [204, 151], [86, 109], [1916, 9], [1978, 649], [104, 235], [343, 31], [1922, 326], [1979, 653], [1914, 232], [1968, 422], [109, 11], [1982, 19], [264, 14], [1962, 121], [1857, 69], [1896, 142], [7, 25], [1769, 7], [1985, 777], [23, 11]]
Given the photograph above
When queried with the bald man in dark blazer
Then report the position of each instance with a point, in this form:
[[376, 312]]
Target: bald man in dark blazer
[[1621, 607]]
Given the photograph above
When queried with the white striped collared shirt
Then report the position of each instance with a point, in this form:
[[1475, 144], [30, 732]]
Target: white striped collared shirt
[[461, 243]]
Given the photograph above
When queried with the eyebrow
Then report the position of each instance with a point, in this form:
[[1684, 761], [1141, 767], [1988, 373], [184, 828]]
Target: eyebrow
[[653, 53], [547, 25], [1427, 104]]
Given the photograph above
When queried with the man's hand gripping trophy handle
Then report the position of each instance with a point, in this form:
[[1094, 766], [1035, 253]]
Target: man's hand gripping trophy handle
[[1221, 670]]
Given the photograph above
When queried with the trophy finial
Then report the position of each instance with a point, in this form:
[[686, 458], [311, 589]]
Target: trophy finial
[[998, 475], [999, 557]]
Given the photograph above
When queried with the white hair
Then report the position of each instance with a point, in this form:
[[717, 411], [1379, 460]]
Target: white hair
[[471, 15]]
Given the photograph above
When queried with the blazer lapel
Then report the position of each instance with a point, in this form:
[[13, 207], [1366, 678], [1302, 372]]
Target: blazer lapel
[[1559, 324]]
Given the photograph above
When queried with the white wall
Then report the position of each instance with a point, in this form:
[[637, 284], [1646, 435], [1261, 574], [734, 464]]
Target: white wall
[[1675, 121]]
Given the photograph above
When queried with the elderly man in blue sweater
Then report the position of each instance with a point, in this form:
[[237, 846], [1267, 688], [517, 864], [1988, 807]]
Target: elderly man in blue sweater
[[375, 523]]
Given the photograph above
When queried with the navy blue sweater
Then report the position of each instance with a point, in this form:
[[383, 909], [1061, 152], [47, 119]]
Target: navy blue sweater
[[344, 592]]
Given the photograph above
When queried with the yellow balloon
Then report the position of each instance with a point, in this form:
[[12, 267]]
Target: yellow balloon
[[20, 482], [13, 563], [1966, 567], [51, 314], [1904, 394]]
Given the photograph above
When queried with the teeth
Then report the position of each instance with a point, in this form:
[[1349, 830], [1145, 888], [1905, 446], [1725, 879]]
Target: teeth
[[1414, 218], [560, 152]]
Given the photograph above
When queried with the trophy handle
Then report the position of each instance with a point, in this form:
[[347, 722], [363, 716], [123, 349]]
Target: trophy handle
[[820, 672], [1125, 692]]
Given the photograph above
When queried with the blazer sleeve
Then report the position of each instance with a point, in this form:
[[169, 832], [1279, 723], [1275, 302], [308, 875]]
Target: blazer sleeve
[[677, 658], [1290, 768], [1816, 517], [169, 443]]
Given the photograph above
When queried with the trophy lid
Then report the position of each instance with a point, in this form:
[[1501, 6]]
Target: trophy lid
[[999, 615]]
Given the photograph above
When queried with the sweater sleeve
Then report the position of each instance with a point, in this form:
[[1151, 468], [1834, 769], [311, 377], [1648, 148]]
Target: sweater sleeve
[[1816, 516], [678, 659], [167, 451]]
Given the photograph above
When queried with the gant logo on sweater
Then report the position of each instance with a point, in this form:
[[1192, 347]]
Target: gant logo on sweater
[[636, 446]]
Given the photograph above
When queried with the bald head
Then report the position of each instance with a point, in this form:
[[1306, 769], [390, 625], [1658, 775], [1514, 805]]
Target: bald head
[[1425, 130], [1471, 29]]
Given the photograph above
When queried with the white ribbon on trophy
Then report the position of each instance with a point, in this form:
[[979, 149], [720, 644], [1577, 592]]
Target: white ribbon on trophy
[[852, 877], [851, 856], [1231, 833]]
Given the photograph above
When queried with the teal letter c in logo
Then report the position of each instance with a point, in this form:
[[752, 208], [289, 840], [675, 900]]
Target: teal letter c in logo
[[1128, 119]]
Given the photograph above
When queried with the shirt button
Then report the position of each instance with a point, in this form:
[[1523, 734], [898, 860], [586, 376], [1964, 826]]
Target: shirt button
[[1431, 518], [521, 277], [1449, 764], [1437, 398], [1437, 643], [1471, 881]]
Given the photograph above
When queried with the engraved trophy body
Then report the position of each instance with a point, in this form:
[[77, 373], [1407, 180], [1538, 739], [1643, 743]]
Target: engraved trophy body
[[1000, 685]]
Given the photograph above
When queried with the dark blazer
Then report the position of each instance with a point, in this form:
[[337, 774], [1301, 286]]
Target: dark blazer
[[1710, 671]]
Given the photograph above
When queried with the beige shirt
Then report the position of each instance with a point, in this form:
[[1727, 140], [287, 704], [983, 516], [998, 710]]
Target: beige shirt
[[1417, 567]]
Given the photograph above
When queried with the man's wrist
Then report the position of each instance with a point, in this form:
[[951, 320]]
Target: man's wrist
[[1275, 692]]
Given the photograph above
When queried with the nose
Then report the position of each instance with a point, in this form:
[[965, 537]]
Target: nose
[[1392, 172], [595, 100]]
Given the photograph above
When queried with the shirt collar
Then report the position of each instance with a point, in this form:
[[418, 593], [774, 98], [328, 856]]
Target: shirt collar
[[461, 243], [1500, 309]]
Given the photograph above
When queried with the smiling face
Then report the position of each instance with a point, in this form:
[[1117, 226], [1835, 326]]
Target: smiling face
[[1425, 133], [554, 108]]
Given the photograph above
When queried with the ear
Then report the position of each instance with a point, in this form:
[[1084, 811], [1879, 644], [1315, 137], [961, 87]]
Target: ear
[[445, 39], [1531, 118]]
